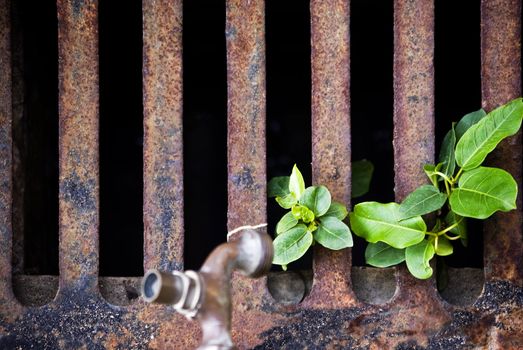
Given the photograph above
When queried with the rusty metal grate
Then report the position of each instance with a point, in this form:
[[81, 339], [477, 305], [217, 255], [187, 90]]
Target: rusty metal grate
[[331, 316]]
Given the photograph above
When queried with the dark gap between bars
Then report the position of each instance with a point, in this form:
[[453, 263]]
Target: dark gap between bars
[[35, 138], [458, 92], [205, 129], [121, 139], [371, 47], [288, 52]]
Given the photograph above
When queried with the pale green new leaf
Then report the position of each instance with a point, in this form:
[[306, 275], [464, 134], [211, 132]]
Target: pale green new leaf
[[291, 245], [461, 229], [333, 234], [467, 121], [481, 138], [296, 183], [287, 222], [301, 212], [483, 191], [383, 255], [376, 222], [337, 210], [418, 259], [444, 247], [431, 171], [446, 154], [288, 201], [278, 187], [361, 176], [317, 199], [425, 199]]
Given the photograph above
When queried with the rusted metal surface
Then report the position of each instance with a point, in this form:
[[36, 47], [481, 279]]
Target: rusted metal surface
[[163, 138], [19, 139], [6, 228], [501, 82], [245, 37], [417, 301], [331, 156], [331, 317], [78, 144]]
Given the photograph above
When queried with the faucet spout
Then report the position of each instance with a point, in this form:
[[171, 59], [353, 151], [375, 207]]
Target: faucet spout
[[206, 294]]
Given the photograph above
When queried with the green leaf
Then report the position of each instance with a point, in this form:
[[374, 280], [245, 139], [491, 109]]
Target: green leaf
[[287, 202], [425, 199], [317, 199], [418, 259], [383, 255], [481, 138], [301, 212], [444, 247], [467, 121], [296, 183], [446, 154], [291, 245], [461, 229], [361, 176], [278, 186], [333, 234], [337, 210], [375, 222], [287, 222], [431, 172], [483, 191]]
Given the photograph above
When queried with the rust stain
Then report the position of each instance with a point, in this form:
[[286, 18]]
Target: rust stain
[[500, 83], [79, 318], [78, 143], [245, 38], [413, 93], [163, 138], [6, 229], [417, 302], [331, 153]]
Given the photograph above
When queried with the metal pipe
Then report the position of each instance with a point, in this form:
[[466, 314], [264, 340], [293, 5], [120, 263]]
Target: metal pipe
[[206, 294]]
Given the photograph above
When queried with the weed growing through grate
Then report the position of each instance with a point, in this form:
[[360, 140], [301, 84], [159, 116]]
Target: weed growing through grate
[[398, 232], [313, 216]]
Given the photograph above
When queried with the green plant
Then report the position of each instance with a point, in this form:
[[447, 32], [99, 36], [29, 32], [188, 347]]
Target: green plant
[[313, 216], [398, 232]]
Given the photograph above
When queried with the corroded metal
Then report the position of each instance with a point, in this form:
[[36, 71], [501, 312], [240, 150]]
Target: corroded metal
[[6, 185], [245, 37], [501, 82], [163, 138], [78, 143], [414, 146], [415, 318], [331, 156]]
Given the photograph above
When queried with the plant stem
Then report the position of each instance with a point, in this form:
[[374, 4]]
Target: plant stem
[[445, 177], [442, 232], [458, 174], [451, 238]]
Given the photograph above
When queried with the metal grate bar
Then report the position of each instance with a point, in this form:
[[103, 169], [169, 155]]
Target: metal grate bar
[[6, 293], [163, 138], [78, 143], [331, 153], [413, 110], [501, 82], [245, 37]]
